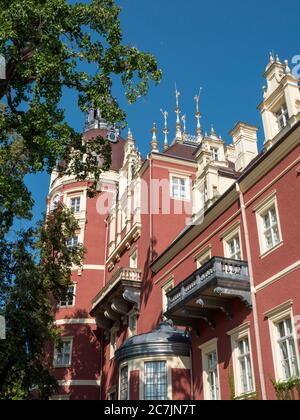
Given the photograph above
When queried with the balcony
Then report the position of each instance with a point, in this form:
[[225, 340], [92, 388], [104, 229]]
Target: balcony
[[117, 298], [210, 288]]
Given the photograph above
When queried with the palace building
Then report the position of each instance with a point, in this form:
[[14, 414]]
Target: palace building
[[190, 286]]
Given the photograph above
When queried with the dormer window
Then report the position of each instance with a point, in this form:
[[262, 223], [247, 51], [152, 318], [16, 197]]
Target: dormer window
[[282, 117], [215, 153]]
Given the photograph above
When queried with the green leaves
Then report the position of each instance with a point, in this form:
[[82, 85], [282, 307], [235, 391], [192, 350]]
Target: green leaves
[[46, 45], [34, 271]]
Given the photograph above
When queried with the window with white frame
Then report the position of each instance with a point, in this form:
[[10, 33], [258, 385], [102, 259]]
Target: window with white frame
[[232, 245], [203, 258], [133, 260], [63, 353], [284, 342], [212, 375], [72, 243], [165, 290], [242, 361], [155, 381], [269, 225], [282, 117], [113, 343], [75, 204], [215, 153], [211, 383], [132, 324], [244, 366], [286, 351], [180, 187], [124, 388], [68, 300], [55, 202]]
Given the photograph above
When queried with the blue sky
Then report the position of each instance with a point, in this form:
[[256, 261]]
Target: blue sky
[[219, 45]]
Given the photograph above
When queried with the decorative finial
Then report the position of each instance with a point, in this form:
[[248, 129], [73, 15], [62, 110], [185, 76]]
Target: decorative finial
[[287, 68], [265, 90], [212, 133], [166, 131], [184, 124], [130, 136], [272, 57], [277, 59], [178, 112], [198, 117], [154, 143]]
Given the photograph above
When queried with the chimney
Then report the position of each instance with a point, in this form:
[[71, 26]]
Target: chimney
[[245, 143]]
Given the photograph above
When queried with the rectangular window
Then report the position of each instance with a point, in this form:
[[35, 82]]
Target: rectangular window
[[212, 375], [133, 261], [75, 204], [203, 258], [180, 188], [268, 222], [72, 244], [124, 394], [244, 366], [165, 290], [210, 368], [63, 355], [69, 299], [244, 382], [282, 117], [234, 248], [155, 381], [215, 153], [271, 236], [286, 346]]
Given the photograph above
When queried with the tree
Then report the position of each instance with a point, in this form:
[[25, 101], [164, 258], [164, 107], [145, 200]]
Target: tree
[[34, 271], [45, 44]]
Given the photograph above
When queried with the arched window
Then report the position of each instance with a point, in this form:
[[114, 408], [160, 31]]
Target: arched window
[[55, 202]]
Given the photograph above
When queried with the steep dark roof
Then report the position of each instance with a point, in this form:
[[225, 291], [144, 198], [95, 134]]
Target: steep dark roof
[[117, 154], [182, 151]]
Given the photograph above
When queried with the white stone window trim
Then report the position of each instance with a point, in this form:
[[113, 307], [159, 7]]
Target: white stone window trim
[[260, 211], [63, 339], [74, 284], [229, 236], [122, 366], [236, 335], [206, 349], [133, 259], [166, 287], [139, 364], [187, 187], [55, 200], [275, 316], [203, 256]]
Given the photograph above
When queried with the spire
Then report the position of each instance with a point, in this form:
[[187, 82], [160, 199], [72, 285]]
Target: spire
[[198, 117], [130, 136], [166, 131], [178, 112], [154, 143], [287, 68]]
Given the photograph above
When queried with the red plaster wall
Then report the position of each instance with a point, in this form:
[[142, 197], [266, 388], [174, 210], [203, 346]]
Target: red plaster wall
[[181, 384], [134, 385]]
